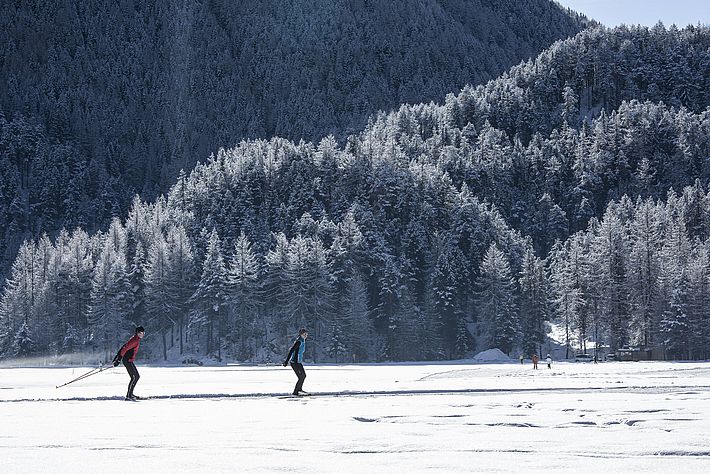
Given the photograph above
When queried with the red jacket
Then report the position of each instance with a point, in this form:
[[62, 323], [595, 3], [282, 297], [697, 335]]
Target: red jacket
[[130, 348]]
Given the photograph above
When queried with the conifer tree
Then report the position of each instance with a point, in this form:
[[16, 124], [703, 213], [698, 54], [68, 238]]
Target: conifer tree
[[109, 305], [567, 299], [243, 294], [23, 345], [534, 302], [309, 292], [358, 328], [496, 301], [209, 297], [275, 284], [644, 272], [181, 258], [611, 249], [160, 290]]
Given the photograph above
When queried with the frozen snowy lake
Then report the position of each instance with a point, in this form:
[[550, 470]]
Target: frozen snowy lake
[[445, 417]]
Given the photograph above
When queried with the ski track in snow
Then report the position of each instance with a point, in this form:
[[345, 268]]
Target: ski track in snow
[[380, 393]]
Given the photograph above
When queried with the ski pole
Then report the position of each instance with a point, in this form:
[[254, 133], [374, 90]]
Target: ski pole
[[88, 374], [83, 376], [96, 371]]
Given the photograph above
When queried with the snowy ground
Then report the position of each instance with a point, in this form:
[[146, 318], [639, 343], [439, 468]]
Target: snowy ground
[[449, 417]]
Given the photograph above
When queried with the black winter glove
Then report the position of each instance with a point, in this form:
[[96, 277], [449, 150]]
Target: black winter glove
[[117, 360], [285, 363]]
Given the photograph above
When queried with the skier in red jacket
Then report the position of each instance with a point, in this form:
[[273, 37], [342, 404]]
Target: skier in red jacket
[[127, 354]]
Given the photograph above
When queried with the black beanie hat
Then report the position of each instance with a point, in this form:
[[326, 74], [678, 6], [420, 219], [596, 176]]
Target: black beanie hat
[[140, 329], [301, 331]]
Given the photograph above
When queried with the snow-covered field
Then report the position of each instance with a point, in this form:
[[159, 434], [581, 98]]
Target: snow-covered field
[[448, 417]]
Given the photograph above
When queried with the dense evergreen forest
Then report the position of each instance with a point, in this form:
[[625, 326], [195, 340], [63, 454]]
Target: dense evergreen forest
[[572, 190], [102, 100]]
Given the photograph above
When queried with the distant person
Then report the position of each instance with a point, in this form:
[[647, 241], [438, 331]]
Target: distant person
[[535, 358], [295, 358], [548, 359], [521, 359], [127, 354]]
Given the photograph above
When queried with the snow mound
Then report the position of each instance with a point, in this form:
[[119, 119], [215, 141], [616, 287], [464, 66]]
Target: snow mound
[[491, 355]]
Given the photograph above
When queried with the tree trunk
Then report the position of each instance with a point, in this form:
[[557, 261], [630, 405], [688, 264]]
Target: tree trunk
[[209, 338], [181, 336], [566, 332]]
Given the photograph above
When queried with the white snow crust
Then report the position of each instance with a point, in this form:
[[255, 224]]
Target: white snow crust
[[427, 417]]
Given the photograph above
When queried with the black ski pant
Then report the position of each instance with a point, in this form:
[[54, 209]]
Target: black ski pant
[[133, 372], [301, 374]]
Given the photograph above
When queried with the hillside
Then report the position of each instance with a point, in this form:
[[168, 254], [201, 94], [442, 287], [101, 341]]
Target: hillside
[[119, 96], [434, 221]]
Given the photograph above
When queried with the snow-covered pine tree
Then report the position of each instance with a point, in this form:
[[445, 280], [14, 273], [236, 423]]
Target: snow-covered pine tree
[[182, 276], [349, 303], [390, 287], [550, 223], [337, 338], [75, 281], [566, 297], [276, 284], [56, 293], [578, 265], [674, 325], [73, 339], [497, 306], [46, 317], [23, 344], [136, 279], [448, 278], [699, 301], [405, 331], [19, 293], [160, 291], [534, 303], [309, 294], [464, 340], [209, 297], [611, 249], [644, 272], [675, 322], [243, 297], [570, 106], [358, 340], [109, 305]]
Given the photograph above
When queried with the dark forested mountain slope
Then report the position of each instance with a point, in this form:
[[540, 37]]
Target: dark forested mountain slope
[[181, 78], [444, 227], [451, 227], [132, 91]]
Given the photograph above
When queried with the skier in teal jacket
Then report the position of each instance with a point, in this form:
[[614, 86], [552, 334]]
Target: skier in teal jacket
[[295, 358]]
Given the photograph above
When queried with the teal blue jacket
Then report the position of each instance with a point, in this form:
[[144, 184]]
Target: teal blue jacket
[[297, 350]]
